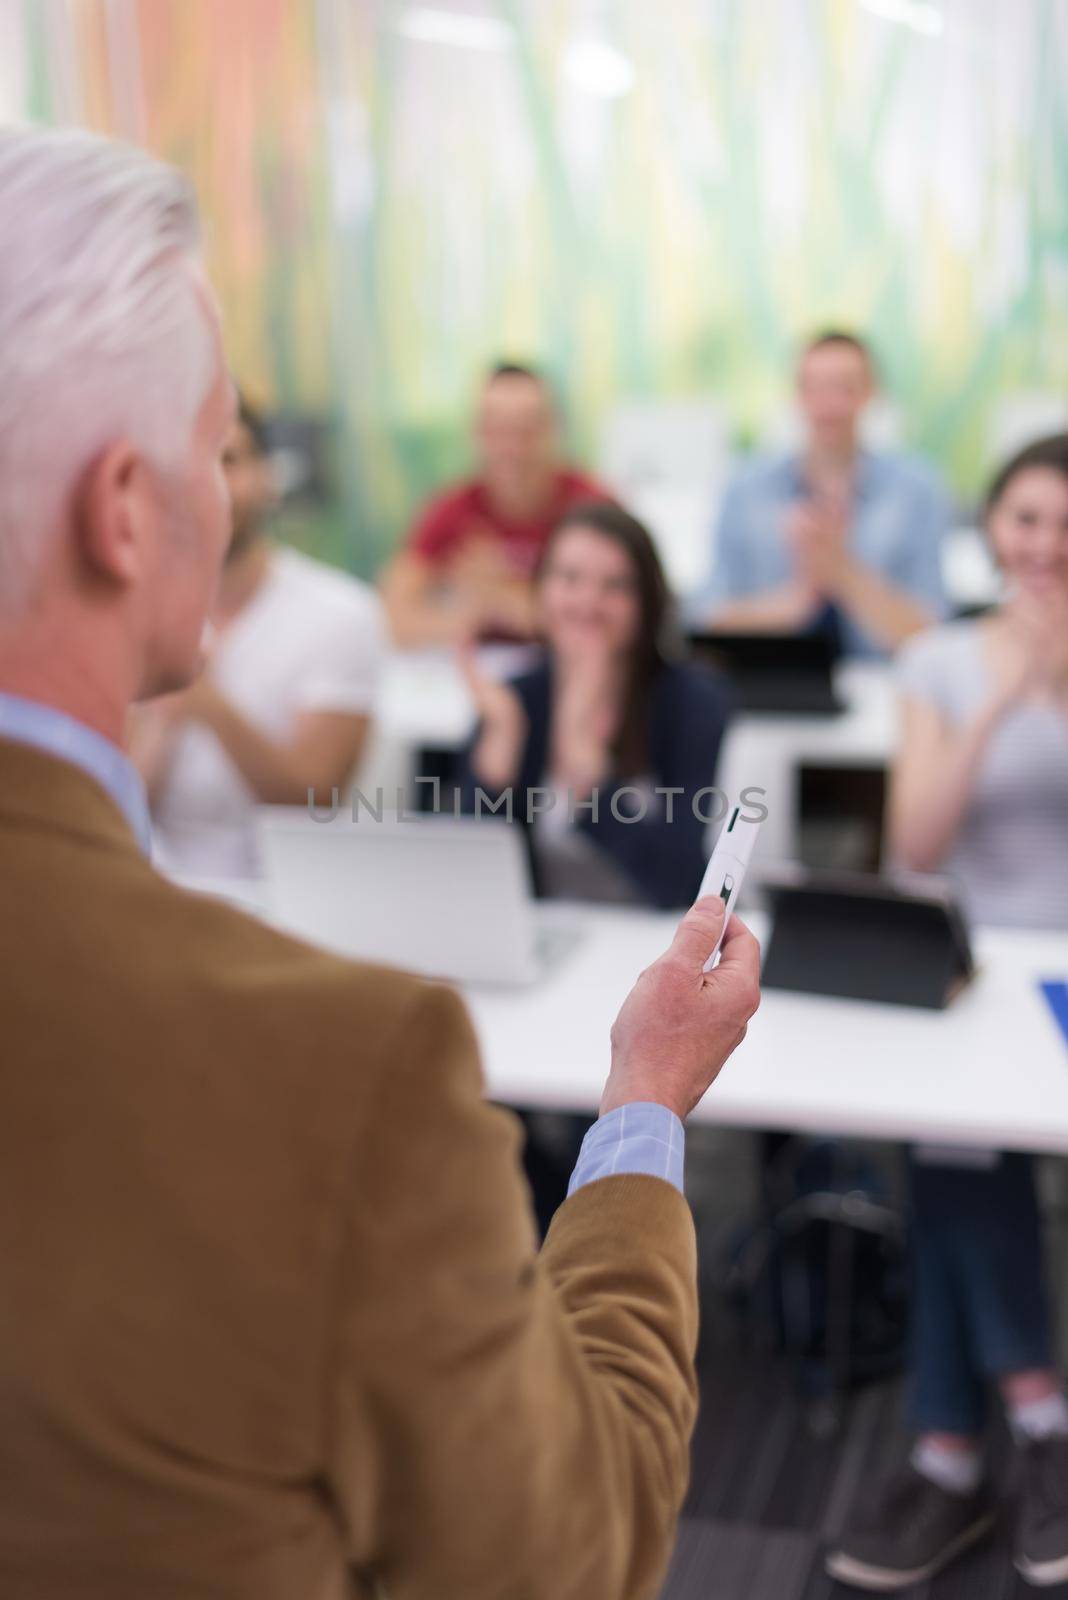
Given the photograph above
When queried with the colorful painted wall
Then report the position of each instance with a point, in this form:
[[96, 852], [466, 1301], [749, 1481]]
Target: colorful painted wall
[[648, 199]]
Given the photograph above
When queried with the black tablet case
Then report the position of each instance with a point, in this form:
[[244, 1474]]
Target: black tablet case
[[774, 672], [880, 945]]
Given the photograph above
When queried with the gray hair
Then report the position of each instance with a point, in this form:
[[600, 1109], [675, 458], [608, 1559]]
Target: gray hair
[[103, 334]]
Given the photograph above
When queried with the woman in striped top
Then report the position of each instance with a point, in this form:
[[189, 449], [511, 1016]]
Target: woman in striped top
[[980, 793]]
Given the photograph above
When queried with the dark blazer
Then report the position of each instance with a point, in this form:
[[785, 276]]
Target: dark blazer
[[688, 714]]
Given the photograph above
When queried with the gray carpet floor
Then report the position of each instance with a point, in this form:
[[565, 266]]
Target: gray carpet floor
[[768, 1492]]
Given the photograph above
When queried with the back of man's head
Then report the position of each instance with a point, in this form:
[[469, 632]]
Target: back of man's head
[[103, 334]]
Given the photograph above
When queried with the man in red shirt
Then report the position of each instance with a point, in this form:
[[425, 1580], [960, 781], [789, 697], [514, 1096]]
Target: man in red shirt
[[466, 569]]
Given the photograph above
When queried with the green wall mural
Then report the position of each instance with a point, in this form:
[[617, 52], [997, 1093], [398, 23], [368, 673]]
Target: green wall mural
[[649, 200]]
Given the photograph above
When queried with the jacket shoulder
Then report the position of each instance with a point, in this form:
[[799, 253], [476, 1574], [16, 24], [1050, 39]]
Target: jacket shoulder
[[283, 998]]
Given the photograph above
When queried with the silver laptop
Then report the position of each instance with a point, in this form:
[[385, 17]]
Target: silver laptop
[[443, 896]]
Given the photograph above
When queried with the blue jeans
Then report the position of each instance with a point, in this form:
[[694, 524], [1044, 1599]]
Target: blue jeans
[[979, 1307]]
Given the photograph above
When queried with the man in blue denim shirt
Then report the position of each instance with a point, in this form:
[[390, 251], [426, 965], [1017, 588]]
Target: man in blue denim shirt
[[833, 535]]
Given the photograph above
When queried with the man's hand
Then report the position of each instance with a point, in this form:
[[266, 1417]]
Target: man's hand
[[818, 536], [481, 560], [487, 592], [679, 1024], [499, 707]]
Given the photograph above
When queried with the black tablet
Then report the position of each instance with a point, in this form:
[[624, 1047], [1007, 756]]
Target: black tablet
[[900, 939]]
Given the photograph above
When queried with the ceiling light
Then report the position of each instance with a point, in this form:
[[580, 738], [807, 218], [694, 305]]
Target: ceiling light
[[919, 15], [462, 28], [598, 69]]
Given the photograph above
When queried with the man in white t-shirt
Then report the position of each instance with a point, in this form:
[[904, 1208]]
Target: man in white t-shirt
[[286, 701]]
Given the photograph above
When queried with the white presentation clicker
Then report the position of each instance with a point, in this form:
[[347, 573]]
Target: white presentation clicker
[[726, 868]]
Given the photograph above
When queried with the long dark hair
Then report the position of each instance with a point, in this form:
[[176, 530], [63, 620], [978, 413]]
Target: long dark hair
[[1051, 452], [630, 749]]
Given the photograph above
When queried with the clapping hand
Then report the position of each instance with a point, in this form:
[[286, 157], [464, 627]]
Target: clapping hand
[[503, 722], [1033, 654], [489, 593], [817, 532]]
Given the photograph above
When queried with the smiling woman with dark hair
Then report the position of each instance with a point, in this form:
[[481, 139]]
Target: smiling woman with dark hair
[[605, 725], [980, 793], [583, 742]]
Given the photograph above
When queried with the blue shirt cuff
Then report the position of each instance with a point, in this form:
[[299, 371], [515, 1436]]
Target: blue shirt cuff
[[642, 1137]]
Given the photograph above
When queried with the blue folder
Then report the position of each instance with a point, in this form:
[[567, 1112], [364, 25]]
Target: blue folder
[[1057, 995]]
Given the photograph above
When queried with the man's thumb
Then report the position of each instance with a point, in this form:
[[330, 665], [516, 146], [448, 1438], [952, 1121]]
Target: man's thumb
[[696, 935]]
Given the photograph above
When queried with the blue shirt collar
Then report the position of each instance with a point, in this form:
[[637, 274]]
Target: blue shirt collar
[[56, 734]]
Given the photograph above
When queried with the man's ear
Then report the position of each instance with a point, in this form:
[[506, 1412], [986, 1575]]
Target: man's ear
[[112, 503]]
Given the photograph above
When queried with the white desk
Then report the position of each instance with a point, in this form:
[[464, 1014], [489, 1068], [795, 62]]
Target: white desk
[[989, 1071]]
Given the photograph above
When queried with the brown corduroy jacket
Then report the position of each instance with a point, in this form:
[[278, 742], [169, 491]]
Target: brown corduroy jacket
[[272, 1321]]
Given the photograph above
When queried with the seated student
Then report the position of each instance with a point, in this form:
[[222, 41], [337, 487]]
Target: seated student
[[607, 710], [981, 793], [834, 536], [466, 569], [285, 703]]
